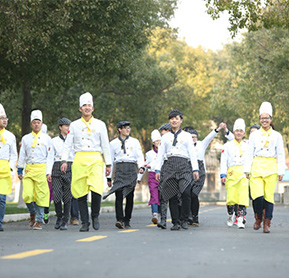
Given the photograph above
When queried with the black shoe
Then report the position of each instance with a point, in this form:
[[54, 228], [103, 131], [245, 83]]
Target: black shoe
[[190, 221], [195, 221], [1, 229], [184, 225], [162, 224], [84, 227], [63, 226], [176, 227], [95, 223], [57, 225], [119, 225], [127, 225]]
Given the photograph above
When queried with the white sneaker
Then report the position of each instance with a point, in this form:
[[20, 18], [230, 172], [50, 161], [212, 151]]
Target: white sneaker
[[155, 218], [230, 220], [241, 224]]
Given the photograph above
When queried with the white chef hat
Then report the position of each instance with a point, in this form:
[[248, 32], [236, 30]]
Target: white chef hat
[[155, 135], [36, 115], [44, 128], [2, 111], [239, 124], [85, 98], [266, 108]]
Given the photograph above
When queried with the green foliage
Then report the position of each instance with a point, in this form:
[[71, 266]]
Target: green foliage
[[256, 70], [251, 14], [49, 47]]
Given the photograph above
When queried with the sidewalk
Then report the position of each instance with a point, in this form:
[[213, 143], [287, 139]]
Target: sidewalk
[[26, 216]]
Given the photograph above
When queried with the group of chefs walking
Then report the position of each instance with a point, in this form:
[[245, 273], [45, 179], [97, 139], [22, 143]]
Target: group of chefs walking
[[77, 160]]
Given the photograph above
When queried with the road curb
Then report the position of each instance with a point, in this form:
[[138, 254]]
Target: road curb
[[26, 216]]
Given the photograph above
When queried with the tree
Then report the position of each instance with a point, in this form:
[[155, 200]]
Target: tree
[[48, 46], [251, 14], [256, 71]]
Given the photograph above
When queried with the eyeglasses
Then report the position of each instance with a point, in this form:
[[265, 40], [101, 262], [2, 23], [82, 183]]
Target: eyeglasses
[[265, 118], [2, 118]]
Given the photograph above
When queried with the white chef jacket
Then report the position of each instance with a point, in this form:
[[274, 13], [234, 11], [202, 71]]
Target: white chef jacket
[[231, 155], [184, 148], [41, 153], [9, 150], [133, 152], [257, 149], [79, 139], [58, 145]]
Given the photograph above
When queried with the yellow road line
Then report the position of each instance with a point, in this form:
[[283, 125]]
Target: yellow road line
[[152, 225], [27, 254], [208, 210], [128, 231], [92, 238]]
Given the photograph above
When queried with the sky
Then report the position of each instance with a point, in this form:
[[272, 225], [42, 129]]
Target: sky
[[198, 28]]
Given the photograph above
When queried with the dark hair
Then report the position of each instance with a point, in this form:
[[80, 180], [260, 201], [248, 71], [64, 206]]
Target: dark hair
[[175, 113]]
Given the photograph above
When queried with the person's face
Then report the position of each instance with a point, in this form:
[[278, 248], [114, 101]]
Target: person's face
[[157, 143], [64, 129], [86, 110], [176, 122], [3, 122], [124, 131], [36, 125], [164, 131], [239, 134], [265, 120], [195, 138], [252, 130]]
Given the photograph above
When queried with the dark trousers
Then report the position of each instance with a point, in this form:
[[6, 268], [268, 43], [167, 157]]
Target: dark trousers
[[119, 206], [180, 212], [65, 214], [95, 207], [260, 204], [74, 209], [195, 204]]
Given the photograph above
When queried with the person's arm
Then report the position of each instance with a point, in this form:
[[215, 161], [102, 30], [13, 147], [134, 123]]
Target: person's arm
[[50, 156], [224, 164], [160, 159], [67, 146], [249, 155], [280, 157], [21, 160], [105, 145], [193, 158], [13, 155]]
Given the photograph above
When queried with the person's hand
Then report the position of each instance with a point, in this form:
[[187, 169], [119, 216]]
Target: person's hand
[[196, 176], [20, 177], [109, 183], [280, 177], [63, 167], [223, 180], [248, 176], [49, 178], [107, 170], [147, 166], [158, 176]]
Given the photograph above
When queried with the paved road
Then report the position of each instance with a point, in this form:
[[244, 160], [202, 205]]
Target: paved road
[[211, 250]]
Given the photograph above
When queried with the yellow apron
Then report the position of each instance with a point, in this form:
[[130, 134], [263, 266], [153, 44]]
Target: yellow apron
[[87, 174], [237, 186], [264, 177], [35, 185], [5, 178]]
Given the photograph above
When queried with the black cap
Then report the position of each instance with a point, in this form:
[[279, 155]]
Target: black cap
[[175, 113], [64, 121], [122, 123], [165, 126], [255, 126], [190, 130]]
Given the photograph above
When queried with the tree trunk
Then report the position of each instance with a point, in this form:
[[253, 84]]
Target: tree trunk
[[26, 109]]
